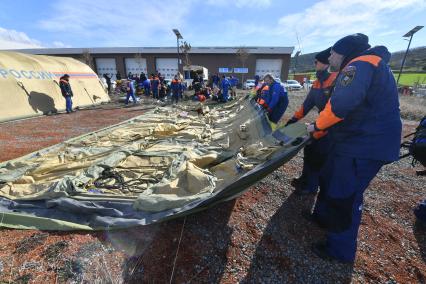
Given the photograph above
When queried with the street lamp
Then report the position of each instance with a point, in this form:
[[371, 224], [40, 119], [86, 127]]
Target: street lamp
[[410, 35], [178, 37]]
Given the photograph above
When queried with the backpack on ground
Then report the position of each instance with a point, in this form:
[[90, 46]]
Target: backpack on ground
[[417, 146], [420, 212]]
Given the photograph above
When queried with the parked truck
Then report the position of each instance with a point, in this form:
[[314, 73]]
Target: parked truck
[[190, 71]]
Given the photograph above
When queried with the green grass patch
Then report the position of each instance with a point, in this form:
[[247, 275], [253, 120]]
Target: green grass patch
[[409, 79]]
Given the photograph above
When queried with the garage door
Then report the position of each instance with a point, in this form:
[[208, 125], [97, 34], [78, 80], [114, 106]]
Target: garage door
[[106, 66], [135, 65], [168, 67], [273, 66]]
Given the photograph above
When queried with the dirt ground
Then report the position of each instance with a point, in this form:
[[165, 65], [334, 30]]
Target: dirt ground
[[258, 238]]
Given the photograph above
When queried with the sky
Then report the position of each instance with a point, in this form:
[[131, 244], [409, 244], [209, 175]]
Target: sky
[[309, 26]]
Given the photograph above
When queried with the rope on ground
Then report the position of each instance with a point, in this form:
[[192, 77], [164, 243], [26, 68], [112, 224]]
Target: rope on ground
[[177, 251]]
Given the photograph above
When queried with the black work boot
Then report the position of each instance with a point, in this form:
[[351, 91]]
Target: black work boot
[[299, 191], [296, 182], [313, 218], [320, 250]]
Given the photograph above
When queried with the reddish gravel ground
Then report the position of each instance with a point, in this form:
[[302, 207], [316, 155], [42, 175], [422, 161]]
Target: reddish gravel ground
[[259, 237]]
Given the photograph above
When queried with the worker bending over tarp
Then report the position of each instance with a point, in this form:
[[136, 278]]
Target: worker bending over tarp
[[165, 163], [29, 85]]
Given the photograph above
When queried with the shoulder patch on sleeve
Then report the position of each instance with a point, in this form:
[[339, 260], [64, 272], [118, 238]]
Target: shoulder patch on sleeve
[[348, 74]]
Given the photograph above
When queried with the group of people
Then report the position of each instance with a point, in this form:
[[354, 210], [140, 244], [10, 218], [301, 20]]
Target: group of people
[[227, 87], [155, 86], [357, 132]]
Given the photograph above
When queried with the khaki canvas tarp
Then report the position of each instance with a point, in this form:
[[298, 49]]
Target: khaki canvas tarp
[[162, 164], [29, 84]]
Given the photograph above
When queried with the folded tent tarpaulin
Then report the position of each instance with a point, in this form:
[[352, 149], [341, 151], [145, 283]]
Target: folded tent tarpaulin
[[29, 85], [163, 164]]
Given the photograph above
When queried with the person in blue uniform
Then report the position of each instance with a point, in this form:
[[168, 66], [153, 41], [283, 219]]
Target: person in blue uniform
[[147, 87], [176, 89], [215, 80], [130, 92], [315, 153], [275, 100], [225, 86], [155, 87], [363, 120], [256, 80]]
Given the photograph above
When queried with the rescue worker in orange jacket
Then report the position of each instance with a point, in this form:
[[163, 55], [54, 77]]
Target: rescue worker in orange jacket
[[315, 153], [176, 88], [363, 120], [274, 100], [261, 90]]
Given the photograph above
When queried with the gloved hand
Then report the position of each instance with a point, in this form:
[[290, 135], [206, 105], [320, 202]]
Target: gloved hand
[[310, 127], [258, 107], [291, 121]]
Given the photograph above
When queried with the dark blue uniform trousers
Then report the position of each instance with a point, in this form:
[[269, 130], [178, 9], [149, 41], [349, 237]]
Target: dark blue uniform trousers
[[68, 103], [175, 97], [343, 181], [128, 97], [155, 93], [315, 155]]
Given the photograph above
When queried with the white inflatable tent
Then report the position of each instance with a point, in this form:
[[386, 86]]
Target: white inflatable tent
[[29, 85]]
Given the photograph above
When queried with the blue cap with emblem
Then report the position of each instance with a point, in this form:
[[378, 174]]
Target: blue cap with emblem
[[351, 44]]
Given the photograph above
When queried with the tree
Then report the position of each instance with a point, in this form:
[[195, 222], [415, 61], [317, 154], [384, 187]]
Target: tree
[[86, 58], [185, 48], [242, 54]]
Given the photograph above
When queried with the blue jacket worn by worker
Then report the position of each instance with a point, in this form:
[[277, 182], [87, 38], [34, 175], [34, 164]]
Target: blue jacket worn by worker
[[66, 93], [363, 119], [176, 88], [367, 109], [130, 92], [155, 84], [316, 152], [275, 102], [233, 81], [147, 87], [318, 95], [215, 80], [225, 84], [256, 80]]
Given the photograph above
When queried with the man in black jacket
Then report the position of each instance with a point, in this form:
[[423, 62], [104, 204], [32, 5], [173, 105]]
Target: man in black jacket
[[66, 92]]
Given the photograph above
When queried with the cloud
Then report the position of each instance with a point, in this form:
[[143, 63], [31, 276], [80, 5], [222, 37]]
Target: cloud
[[60, 44], [111, 24], [11, 39], [328, 20], [241, 3]]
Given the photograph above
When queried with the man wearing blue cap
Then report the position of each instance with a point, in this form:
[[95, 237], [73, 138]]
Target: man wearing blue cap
[[315, 153], [363, 121]]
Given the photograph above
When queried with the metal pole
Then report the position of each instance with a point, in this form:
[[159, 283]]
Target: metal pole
[[403, 60], [177, 40]]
